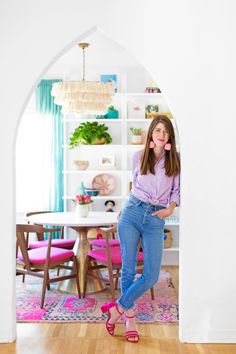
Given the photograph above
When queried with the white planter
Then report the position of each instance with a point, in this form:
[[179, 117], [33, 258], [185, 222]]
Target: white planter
[[82, 210], [136, 139]]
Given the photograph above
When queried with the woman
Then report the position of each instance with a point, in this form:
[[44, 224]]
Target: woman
[[154, 196]]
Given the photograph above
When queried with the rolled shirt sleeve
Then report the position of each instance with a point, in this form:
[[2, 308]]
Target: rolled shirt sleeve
[[175, 191]]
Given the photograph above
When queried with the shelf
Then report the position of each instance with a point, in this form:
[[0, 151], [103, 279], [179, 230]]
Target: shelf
[[138, 94], [171, 249], [141, 120], [69, 120], [135, 146], [172, 221], [99, 197], [118, 120], [96, 146], [95, 171]]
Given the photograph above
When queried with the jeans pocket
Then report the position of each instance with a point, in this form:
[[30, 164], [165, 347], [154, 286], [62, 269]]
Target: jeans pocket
[[157, 221], [130, 204]]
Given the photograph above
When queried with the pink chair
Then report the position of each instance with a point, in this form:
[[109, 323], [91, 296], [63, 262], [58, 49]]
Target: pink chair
[[43, 259], [109, 258], [58, 242], [101, 242]]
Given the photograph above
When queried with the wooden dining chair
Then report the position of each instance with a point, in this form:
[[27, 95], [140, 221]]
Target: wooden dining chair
[[101, 242], [37, 262], [109, 258], [57, 242]]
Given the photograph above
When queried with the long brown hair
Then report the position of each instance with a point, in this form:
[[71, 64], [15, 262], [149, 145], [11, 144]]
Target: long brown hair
[[172, 160]]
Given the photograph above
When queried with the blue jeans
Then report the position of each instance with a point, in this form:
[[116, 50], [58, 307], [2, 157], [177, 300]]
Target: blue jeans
[[137, 223]]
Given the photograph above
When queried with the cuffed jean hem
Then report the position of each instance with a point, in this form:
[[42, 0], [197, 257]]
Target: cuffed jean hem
[[125, 308]]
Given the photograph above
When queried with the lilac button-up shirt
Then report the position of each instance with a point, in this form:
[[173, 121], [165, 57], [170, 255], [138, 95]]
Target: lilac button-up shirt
[[157, 189]]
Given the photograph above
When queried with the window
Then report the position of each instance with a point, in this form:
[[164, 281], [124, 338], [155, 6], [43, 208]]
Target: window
[[33, 160]]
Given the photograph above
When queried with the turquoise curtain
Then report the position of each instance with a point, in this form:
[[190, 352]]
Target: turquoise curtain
[[46, 107]]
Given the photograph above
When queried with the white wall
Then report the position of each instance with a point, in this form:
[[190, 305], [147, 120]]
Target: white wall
[[188, 46]]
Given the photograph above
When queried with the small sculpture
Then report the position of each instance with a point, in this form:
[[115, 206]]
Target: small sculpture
[[109, 204]]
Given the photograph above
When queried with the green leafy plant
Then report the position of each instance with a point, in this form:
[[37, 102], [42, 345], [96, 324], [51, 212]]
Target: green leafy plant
[[152, 108], [136, 131], [88, 133], [111, 108]]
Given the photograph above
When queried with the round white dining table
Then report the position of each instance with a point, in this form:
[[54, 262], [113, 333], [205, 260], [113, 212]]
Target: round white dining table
[[81, 248]]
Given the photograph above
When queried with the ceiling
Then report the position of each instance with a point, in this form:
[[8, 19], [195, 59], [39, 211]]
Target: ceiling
[[102, 54]]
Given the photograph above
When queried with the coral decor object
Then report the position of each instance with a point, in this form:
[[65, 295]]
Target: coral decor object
[[105, 182]]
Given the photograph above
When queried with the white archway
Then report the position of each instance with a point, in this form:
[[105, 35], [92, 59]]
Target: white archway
[[84, 37]]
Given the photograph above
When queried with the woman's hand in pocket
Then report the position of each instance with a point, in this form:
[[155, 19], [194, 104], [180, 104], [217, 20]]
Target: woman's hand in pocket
[[163, 213]]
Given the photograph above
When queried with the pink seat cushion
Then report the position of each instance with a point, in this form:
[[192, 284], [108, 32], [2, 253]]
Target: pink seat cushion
[[101, 255], [59, 242], [102, 243], [38, 255]]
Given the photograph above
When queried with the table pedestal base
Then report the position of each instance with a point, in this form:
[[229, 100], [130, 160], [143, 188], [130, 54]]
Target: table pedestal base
[[81, 249], [93, 286]]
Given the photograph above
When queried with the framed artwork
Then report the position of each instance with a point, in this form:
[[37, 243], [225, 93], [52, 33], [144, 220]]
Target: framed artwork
[[107, 162], [110, 78]]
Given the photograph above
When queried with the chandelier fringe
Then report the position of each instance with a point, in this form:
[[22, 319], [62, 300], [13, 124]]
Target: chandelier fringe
[[83, 86], [84, 107], [83, 96], [61, 98]]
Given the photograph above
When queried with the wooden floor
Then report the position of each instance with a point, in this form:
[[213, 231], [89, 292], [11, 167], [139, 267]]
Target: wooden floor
[[93, 339]]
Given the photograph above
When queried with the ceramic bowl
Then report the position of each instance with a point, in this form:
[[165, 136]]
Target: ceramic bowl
[[92, 192], [81, 164]]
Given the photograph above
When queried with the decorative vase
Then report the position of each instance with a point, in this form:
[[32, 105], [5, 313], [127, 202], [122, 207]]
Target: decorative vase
[[82, 210], [112, 114]]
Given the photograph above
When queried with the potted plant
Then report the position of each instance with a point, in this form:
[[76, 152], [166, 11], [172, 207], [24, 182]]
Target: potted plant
[[112, 113], [90, 133], [136, 137], [151, 111]]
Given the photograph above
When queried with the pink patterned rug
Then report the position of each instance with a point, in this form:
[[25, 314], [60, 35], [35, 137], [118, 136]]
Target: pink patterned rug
[[63, 307]]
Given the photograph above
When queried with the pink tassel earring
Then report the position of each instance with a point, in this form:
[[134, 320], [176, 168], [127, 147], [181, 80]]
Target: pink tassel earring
[[152, 145], [167, 147]]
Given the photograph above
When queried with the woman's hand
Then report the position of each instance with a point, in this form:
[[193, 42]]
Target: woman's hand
[[164, 213]]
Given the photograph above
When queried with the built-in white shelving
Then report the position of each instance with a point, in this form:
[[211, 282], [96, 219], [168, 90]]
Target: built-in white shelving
[[122, 150]]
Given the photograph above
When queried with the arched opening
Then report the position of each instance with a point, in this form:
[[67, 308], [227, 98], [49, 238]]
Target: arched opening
[[135, 110]]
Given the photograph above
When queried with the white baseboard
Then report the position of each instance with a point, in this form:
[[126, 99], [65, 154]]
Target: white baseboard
[[223, 336], [6, 337]]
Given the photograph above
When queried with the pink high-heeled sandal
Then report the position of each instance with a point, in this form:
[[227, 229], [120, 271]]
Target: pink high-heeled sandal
[[106, 308], [131, 334]]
